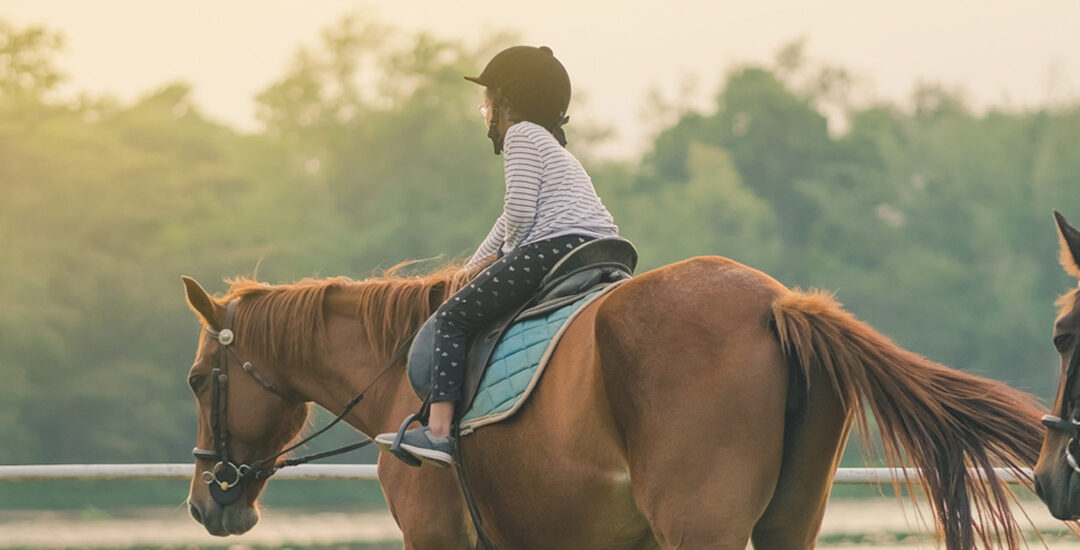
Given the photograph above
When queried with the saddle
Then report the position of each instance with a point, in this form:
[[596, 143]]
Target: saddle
[[585, 269]]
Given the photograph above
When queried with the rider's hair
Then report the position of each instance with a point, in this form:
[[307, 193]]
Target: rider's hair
[[501, 106]]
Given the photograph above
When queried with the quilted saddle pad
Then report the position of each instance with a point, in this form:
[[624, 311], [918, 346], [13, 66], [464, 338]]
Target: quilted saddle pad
[[517, 362]]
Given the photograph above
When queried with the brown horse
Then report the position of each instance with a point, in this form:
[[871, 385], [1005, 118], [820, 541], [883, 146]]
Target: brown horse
[[1057, 475], [699, 405]]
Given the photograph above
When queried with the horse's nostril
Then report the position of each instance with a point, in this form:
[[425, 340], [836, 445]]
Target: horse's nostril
[[195, 513]]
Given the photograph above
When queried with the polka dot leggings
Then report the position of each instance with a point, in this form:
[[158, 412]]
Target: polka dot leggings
[[505, 285]]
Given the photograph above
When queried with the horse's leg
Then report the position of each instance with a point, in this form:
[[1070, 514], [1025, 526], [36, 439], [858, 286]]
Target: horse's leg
[[425, 502], [699, 396], [813, 444], [427, 505]]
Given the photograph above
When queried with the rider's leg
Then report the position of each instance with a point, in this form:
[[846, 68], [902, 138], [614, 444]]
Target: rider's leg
[[440, 417], [500, 288]]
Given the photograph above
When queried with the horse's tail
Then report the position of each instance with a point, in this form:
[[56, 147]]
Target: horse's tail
[[941, 420]]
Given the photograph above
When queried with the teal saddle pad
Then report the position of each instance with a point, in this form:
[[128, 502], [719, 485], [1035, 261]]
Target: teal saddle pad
[[515, 361]]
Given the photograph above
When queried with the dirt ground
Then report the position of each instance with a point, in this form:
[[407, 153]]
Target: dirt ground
[[878, 523]]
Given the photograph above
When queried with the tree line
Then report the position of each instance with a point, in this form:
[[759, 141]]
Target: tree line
[[929, 219]]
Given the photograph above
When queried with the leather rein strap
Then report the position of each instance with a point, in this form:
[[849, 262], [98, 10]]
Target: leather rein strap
[[225, 477]]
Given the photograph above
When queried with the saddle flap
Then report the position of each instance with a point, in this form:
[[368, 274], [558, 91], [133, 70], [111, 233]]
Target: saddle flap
[[421, 363]]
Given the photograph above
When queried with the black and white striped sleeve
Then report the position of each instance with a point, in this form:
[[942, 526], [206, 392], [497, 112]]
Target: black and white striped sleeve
[[491, 245], [524, 169]]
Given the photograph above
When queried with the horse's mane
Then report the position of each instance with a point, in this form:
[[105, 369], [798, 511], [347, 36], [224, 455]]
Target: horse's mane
[[286, 322]]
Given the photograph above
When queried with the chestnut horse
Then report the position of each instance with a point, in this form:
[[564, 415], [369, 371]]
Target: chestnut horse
[[699, 405], [1057, 475]]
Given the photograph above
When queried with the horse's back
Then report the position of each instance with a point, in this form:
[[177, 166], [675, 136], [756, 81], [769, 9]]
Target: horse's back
[[709, 293]]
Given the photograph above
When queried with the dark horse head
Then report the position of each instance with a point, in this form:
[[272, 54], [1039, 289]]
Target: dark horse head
[[247, 412], [1057, 474]]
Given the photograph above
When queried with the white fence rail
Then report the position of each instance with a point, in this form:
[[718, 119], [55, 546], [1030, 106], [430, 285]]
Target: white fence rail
[[37, 472]]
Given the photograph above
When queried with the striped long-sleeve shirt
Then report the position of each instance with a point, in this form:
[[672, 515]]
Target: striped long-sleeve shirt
[[548, 194]]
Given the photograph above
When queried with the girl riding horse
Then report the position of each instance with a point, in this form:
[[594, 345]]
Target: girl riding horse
[[550, 207]]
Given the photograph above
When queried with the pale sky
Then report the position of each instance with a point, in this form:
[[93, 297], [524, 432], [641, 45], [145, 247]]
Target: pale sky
[[1008, 53]]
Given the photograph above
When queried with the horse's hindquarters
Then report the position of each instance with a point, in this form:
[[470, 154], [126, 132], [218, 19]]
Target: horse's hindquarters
[[698, 389], [815, 437]]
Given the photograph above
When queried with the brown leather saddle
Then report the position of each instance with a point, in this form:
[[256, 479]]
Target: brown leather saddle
[[585, 269]]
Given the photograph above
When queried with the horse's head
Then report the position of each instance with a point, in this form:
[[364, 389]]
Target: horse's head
[[247, 413], [1057, 474]]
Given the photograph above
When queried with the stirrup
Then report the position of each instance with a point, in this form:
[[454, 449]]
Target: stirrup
[[395, 447]]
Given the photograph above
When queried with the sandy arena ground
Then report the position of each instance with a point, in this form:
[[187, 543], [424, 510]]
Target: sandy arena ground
[[865, 519]]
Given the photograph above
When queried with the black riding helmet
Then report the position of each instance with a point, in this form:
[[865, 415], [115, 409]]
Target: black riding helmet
[[535, 84]]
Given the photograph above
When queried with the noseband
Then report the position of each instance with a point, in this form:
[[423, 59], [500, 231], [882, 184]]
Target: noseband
[[1070, 427], [226, 477]]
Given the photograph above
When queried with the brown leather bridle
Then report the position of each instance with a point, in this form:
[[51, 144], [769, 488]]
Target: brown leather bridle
[[226, 478], [1070, 409]]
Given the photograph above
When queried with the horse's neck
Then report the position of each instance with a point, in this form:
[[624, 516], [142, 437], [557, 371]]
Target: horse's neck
[[346, 367]]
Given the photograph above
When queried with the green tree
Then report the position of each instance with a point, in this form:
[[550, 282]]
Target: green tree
[[929, 219]]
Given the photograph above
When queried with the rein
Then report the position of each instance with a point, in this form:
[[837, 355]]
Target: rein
[[226, 477]]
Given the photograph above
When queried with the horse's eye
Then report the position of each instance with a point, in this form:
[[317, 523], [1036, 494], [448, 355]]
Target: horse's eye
[[1061, 342], [195, 382]]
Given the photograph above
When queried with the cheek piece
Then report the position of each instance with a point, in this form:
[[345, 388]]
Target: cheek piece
[[1071, 426], [226, 478]]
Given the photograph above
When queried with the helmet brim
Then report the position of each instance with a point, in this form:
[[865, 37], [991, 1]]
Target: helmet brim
[[477, 80]]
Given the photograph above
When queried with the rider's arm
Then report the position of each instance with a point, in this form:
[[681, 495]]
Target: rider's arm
[[523, 168], [491, 245]]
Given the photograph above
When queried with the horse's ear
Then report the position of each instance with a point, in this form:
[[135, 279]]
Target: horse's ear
[[201, 302], [1070, 245]]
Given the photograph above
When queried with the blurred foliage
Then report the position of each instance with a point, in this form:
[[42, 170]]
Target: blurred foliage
[[931, 220]]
